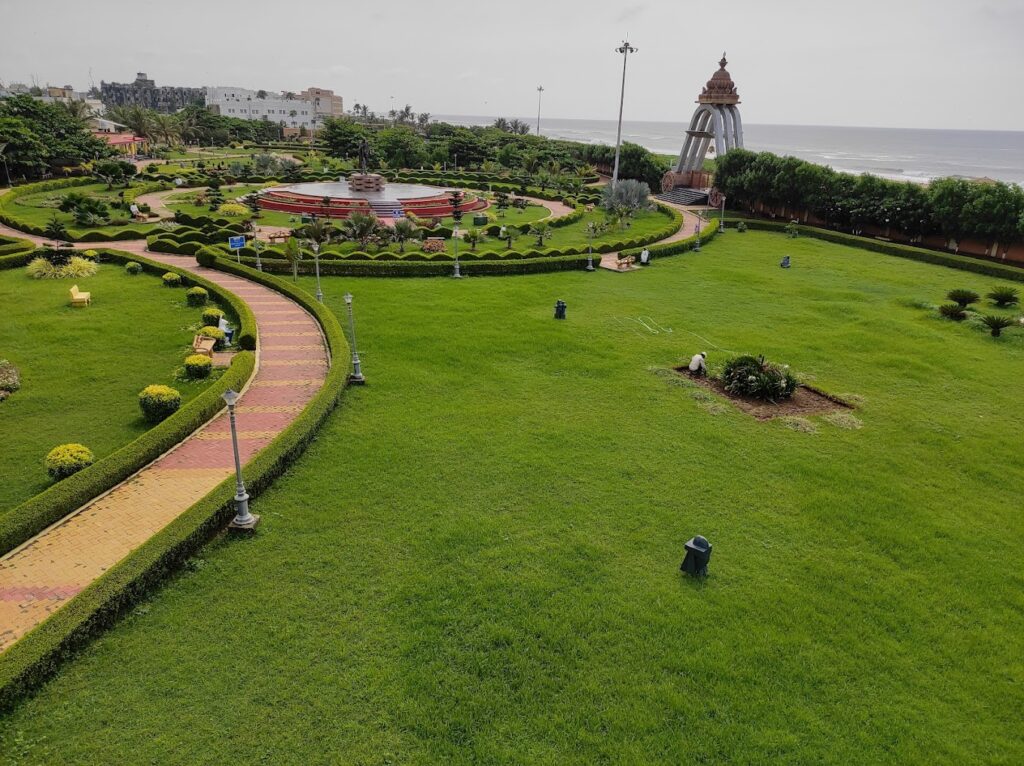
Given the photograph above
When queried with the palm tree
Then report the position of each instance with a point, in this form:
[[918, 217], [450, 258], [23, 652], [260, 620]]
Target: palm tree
[[79, 110], [293, 254], [360, 228], [406, 115], [319, 230], [542, 231], [403, 230], [139, 120], [166, 128], [423, 119], [473, 237]]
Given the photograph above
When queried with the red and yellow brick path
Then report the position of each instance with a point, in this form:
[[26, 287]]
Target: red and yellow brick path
[[39, 577]]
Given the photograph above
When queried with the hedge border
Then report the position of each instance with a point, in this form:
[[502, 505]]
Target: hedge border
[[40, 653], [988, 268], [58, 500], [7, 216]]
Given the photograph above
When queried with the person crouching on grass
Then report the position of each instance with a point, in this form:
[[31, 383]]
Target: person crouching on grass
[[698, 366]]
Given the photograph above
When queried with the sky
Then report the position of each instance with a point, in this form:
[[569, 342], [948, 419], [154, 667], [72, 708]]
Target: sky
[[882, 63]]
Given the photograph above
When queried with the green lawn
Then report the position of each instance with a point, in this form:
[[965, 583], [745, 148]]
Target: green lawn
[[477, 559], [39, 209], [82, 369]]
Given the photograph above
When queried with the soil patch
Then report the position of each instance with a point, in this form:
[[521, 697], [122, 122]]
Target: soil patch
[[806, 400]]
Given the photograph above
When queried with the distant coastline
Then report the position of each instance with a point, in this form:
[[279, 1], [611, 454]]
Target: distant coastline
[[905, 154]]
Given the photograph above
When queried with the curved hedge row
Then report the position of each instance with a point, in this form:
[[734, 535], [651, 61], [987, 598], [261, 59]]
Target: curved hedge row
[[58, 500], [15, 252], [963, 262], [36, 656], [375, 267], [679, 246]]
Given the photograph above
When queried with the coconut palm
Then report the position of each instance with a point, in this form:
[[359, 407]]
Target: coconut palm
[[542, 231], [139, 120], [293, 254], [165, 128], [473, 237], [403, 230], [79, 110], [361, 228]]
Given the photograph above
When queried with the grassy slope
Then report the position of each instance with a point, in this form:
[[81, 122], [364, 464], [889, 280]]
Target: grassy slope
[[477, 559], [38, 209], [82, 369]]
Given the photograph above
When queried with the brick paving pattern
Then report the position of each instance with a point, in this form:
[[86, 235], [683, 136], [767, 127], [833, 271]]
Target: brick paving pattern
[[39, 577]]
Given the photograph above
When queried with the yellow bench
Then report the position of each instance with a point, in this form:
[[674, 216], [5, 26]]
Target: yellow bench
[[203, 345], [78, 298]]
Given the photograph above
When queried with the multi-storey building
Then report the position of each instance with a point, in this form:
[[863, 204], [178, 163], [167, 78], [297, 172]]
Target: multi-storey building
[[144, 92], [325, 102], [292, 113]]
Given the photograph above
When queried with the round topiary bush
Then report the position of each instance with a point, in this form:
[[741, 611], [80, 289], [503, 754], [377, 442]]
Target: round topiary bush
[[196, 296], [754, 377], [207, 256], [212, 317], [247, 341], [213, 332], [171, 279], [198, 366], [92, 255], [133, 268], [741, 227], [158, 402], [67, 459]]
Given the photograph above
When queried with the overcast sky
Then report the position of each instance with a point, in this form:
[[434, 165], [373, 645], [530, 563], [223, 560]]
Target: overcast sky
[[887, 63]]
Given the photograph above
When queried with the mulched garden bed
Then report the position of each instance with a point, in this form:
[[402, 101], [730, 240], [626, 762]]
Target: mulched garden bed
[[806, 400]]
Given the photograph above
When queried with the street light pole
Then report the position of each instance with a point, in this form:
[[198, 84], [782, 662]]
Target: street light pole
[[721, 217], [696, 246], [625, 50], [357, 371], [455, 241], [540, 92], [316, 263], [243, 519], [257, 246]]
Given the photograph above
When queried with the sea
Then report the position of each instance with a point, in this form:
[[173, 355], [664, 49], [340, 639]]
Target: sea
[[906, 154]]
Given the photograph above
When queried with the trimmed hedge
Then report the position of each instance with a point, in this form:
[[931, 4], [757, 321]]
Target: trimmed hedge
[[979, 265], [37, 513], [37, 656], [418, 265]]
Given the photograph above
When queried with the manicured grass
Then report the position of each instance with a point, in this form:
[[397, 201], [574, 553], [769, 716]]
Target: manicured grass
[[40, 208], [477, 560], [82, 369], [512, 216]]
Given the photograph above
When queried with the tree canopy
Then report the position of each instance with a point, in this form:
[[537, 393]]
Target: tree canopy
[[42, 137]]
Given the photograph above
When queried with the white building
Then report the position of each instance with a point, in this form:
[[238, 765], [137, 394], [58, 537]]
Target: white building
[[244, 104]]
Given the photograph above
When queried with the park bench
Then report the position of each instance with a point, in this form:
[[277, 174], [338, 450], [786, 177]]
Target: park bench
[[624, 262], [203, 345], [78, 298]]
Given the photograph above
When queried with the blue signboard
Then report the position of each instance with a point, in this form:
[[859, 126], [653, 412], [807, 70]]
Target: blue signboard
[[236, 243]]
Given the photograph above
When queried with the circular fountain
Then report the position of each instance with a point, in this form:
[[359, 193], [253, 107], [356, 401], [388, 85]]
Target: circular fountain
[[365, 193]]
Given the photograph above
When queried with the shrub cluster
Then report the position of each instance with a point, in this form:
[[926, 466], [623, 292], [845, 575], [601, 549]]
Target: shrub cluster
[[197, 296], [171, 279], [198, 366], [212, 317], [67, 459], [213, 332], [754, 377], [133, 267], [159, 402], [10, 379], [55, 264]]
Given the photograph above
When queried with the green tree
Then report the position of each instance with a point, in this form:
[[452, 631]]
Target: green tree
[[541, 231], [54, 138], [473, 237], [403, 230], [401, 147], [343, 137], [293, 254], [361, 228]]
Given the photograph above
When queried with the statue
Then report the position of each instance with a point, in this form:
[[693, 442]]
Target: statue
[[364, 154]]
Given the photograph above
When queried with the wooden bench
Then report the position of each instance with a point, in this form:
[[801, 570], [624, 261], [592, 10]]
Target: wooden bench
[[78, 298], [624, 262], [203, 345]]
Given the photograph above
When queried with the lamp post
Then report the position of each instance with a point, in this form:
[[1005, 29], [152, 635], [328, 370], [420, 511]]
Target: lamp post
[[257, 246], [591, 231], [357, 370], [243, 519], [316, 264], [455, 241], [540, 92], [696, 231], [625, 50], [721, 217]]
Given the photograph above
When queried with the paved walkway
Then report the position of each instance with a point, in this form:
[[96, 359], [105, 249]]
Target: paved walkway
[[691, 218], [39, 577]]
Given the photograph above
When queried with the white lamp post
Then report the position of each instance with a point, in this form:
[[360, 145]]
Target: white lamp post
[[357, 370], [243, 519], [696, 231], [316, 264], [625, 50], [540, 92], [591, 231], [721, 217], [455, 237], [257, 246]]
